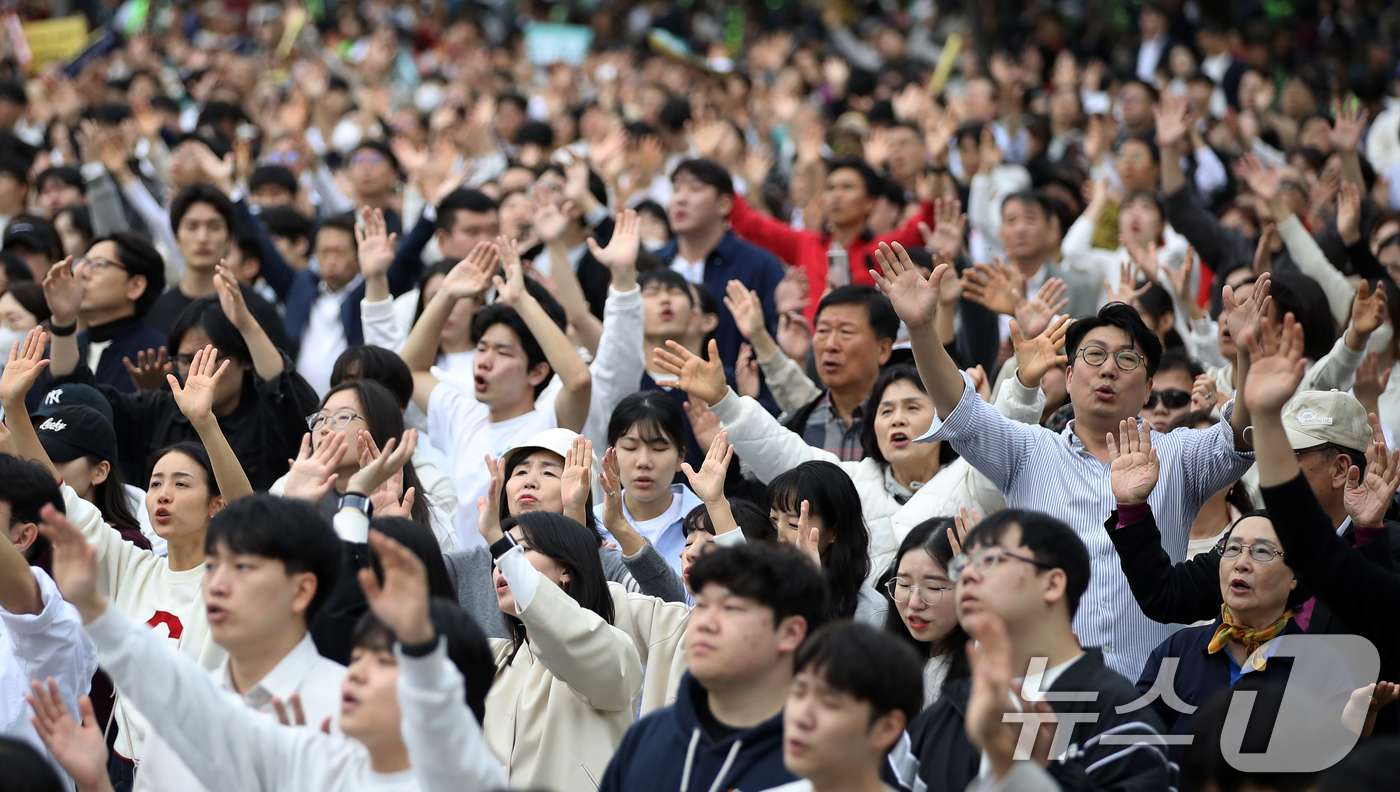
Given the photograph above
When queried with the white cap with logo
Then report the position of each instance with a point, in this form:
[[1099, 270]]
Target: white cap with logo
[[1314, 418]]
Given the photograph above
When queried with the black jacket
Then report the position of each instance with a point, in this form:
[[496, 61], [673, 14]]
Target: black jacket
[[948, 761], [264, 431], [129, 337]]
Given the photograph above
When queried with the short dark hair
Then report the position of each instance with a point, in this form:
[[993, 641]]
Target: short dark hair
[[249, 245], [140, 257], [883, 319], [1178, 360], [753, 521], [286, 221], [501, 314], [13, 90], [1050, 541], [870, 665], [463, 201], [381, 148], [344, 223], [775, 576], [273, 176], [1126, 318], [1152, 93], [196, 452], [1290, 295], [467, 646], [1152, 149], [30, 295], [376, 364], [511, 97], [1206, 764], [656, 416], [537, 132], [25, 768], [201, 193], [206, 314], [833, 498], [675, 114], [868, 176], [64, 173], [419, 540], [27, 487], [707, 172], [666, 277], [282, 529], [1029, 197], [80, 217]]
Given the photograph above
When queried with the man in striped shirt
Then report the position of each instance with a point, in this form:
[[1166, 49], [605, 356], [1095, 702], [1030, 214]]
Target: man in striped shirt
[[1066, 474]]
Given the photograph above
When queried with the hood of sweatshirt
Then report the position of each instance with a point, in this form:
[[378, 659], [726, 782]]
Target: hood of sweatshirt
[[753, 756]]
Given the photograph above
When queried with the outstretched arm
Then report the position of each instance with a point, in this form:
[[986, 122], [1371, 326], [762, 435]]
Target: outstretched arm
[[267, 360], [915, 299], [196, 401], [467, 281], [571, 406]]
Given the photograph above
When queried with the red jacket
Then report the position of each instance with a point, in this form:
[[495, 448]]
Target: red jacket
[[807, 248]]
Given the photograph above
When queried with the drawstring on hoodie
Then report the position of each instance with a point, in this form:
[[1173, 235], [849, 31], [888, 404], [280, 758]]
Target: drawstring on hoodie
[[690, 762]]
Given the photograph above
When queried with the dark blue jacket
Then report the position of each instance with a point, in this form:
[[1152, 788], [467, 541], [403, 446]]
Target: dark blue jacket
[[136, 337], [751, 265], [669, 743], [298, 289]]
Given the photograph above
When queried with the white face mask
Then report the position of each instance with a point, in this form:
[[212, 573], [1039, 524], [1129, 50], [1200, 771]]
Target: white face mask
[[653, 244], [1380, 340], [8, 338]]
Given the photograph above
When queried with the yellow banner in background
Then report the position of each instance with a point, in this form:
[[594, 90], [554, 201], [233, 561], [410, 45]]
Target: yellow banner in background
[[55, 39]]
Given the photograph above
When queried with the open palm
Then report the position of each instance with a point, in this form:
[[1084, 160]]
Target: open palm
[[701, 378], [26, 362], [708, 482], [1134, 468], [915, 297], [196, 398], [1277, 366]]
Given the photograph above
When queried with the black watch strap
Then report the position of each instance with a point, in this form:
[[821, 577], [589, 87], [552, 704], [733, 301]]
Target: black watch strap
[[419, 650], [502, 546], [356, 500], [60, 330]]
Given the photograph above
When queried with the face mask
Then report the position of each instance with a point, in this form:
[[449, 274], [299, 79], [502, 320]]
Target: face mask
[[652, 244], [1380, 340], [8, 338]]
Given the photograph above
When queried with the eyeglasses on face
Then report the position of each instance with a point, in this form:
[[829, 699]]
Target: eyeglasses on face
[[1263, 552], [985, 561], [94, 266], [1125, 360], [1172, 399], [929, 593], [338, 419]]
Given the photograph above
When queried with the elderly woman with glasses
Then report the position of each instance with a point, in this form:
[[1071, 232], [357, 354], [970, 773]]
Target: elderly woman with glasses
[[1255, 595]]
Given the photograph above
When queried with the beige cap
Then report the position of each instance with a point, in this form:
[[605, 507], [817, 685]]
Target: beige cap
[[1314, 418], [557, 440]]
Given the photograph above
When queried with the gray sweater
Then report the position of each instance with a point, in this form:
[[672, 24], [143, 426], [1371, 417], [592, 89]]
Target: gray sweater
[[645, 573]]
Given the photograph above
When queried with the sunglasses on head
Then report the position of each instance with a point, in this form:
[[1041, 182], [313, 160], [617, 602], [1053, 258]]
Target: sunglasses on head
[[1171, 399]]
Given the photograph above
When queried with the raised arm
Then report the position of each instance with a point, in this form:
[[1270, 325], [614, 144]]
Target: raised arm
[[26, 363], [571, 406], [1244, 319], [196, 402], [619, 363], [64, 294], [551, 220], [376, 253], [268, 362], [708, 483], [19, 590], [915, 300], [467, 281]]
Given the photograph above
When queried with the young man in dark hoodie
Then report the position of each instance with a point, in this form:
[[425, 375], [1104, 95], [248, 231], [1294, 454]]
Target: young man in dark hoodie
[[754, 606], [1028, 570]]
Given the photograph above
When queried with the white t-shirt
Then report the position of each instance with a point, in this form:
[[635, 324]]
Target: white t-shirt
[[315, 679], [461, 427]]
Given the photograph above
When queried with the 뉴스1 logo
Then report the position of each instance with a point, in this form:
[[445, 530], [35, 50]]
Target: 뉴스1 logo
[[53, 425]]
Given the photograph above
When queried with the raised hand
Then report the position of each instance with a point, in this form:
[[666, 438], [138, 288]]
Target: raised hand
[[1035, 314], [1277, 365], [702, 379], [620, 256], [791, 292], [576, 482], [63, 292], [1204, 394], [1263, 252], [79, 748], [946, 236], [1246, 316], [704, 424], [231, 299], [375, 243], [401, 601], [196, 398], [1133, 466], [978, 375], [1144, 256], [746, 372], [1172, 124], [471, 277], [808, 538], [794, 335], [510, 289], [313, 473], [377, 467], [1181, 282], [1368, 498], [746, 309], [1348, 125], [489, 506], [963, 523], [1349, 213], [150, 369], [915, 297], [1368, 309], [708, 482], [1127, 289], [1039, 354], [1263, 180], [26, 363], [994, 286], [74, 567], [990, 700]]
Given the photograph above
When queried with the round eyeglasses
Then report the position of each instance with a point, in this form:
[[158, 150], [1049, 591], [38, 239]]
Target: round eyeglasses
[[1263, 552], [1124, 360], [338, 420], [929, 594]]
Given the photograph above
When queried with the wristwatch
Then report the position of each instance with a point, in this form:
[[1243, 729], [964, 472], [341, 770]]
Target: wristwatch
[[355, 500]]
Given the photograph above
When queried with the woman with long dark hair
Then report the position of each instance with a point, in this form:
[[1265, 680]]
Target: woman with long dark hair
[[922, 608], [567, 680], [818, 497]]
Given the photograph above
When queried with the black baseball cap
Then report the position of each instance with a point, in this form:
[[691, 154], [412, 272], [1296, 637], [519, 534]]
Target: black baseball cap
[[35, 236], [71, 432], [73, 394]]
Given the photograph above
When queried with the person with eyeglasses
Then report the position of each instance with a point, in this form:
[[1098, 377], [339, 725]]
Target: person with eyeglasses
[[923, 608], [1027, 573], [1112, 358]]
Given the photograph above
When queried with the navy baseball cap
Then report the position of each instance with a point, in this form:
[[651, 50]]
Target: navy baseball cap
[[75, 394], [71, 432]]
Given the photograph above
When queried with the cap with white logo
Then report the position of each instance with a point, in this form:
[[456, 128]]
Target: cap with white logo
[[1314, 418], [69, 432]]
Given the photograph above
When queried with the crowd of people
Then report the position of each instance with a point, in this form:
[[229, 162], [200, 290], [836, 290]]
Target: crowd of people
[[628, 396]]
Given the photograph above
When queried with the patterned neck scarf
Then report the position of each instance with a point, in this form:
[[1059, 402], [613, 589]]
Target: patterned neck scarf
[[1250, 637]]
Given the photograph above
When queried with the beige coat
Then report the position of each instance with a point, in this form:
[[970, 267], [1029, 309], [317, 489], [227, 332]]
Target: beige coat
[[657, 628], [559, 708]]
